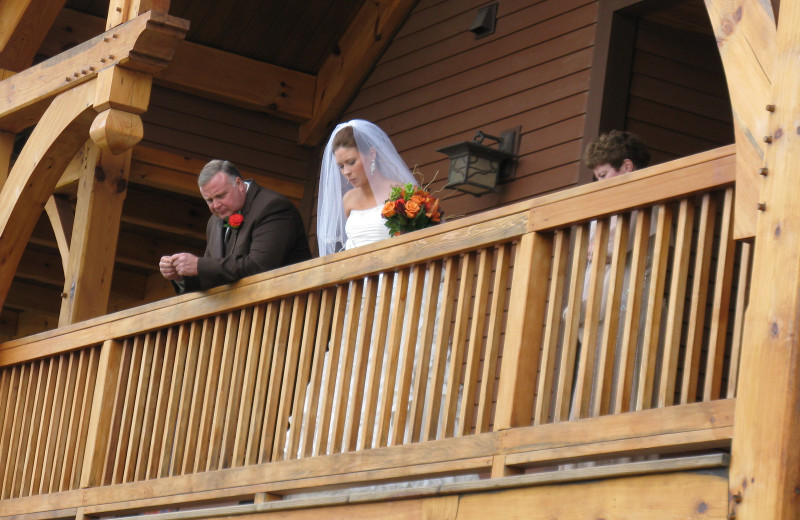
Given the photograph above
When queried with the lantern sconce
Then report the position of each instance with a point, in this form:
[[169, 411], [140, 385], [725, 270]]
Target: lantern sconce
[[476, 168]]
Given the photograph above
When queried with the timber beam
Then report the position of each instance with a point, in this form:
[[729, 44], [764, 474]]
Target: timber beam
[[145, 44], [23, 26], [746, 37], [344, 71]]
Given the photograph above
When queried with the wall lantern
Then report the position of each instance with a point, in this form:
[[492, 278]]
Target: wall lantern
[[476, 168]]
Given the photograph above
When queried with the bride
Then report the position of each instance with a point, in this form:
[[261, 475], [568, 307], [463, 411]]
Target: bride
[[359, 167]]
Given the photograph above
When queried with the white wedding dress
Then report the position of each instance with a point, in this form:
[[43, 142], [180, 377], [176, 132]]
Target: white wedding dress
[[365, 226]]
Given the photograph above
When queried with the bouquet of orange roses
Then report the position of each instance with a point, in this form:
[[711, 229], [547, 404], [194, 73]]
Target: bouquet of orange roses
[[410, 208]]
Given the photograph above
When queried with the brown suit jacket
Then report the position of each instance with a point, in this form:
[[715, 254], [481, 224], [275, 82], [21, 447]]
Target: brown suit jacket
[[272, 235]]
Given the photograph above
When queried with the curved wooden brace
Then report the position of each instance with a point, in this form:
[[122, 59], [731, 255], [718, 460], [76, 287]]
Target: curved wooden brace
[[54, 142], [746, 34]]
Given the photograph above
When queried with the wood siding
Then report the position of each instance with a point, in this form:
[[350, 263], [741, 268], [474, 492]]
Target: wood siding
[[678, 99], [436, 85]]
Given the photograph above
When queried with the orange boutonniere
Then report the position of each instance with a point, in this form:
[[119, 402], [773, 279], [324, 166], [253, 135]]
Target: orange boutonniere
[[234, 221]]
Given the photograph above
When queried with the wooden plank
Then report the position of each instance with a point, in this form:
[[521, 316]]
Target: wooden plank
[[655, 302], [23, 28], [139, 430], [303, 378], [374, 371], [322, 442], [646, 498], [9, 386], [267, 342], [63, 447], [285, 410], [31, 431], [127, 409], [569, 347], [644, 187], [386, 407], [60, 363], [268, 428], [630, 332], [148, 405], [742, 293], [235, 397], [361, 361], [458, 344], [165, 353], [517, 386], [342, 375], [248, 396], [430, 425], [544, 389], [258, 86], [721, 302], [341, 73], [323, 328], [422, 371], [145, 44], [474, 349], [606, 357], [580, 402], [224, 390], [185, 341], [86, 384], [408, 355], [700, 277], [677, 294], [100, 420], [492, 353]]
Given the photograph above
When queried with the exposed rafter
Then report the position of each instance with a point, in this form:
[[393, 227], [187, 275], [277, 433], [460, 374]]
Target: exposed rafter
[[24, 24], [338, 79], [145, 44]]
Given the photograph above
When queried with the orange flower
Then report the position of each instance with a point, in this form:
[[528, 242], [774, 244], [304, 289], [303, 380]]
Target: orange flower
[[388, 210], [412, 208], [432, 208], [418, 199]]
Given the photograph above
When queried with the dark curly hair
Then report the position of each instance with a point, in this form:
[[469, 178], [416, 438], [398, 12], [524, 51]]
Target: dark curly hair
[[613, 148]]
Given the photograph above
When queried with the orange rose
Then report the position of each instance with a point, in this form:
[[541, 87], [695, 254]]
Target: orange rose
[[412, 208], [418, 199], [388, 210]]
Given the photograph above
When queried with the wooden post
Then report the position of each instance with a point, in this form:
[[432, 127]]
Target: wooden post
[[6, 149], [121, 96], [120, 11], [101, 414], [745, 32], [87, 283], [765, 461], [524, 331]]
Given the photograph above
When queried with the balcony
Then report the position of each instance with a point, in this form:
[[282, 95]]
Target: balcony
[[485, 346]]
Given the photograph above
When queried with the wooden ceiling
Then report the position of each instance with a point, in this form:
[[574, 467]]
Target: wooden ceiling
[[295, 35]]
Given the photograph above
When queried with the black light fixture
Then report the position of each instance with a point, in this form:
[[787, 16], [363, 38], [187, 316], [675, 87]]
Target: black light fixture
[[485, 21], [476, 168]]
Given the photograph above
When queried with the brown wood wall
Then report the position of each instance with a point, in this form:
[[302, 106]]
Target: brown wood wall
[[204, 129], [436, 85], [678, 100]]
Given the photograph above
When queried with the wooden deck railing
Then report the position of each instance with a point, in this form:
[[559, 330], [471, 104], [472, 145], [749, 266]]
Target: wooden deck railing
[[471, 347]]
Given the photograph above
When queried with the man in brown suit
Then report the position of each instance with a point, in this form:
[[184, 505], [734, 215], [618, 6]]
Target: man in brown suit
[[251, 230]]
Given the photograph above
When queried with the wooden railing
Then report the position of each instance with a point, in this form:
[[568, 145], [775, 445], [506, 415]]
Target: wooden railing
[[442, 352]]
